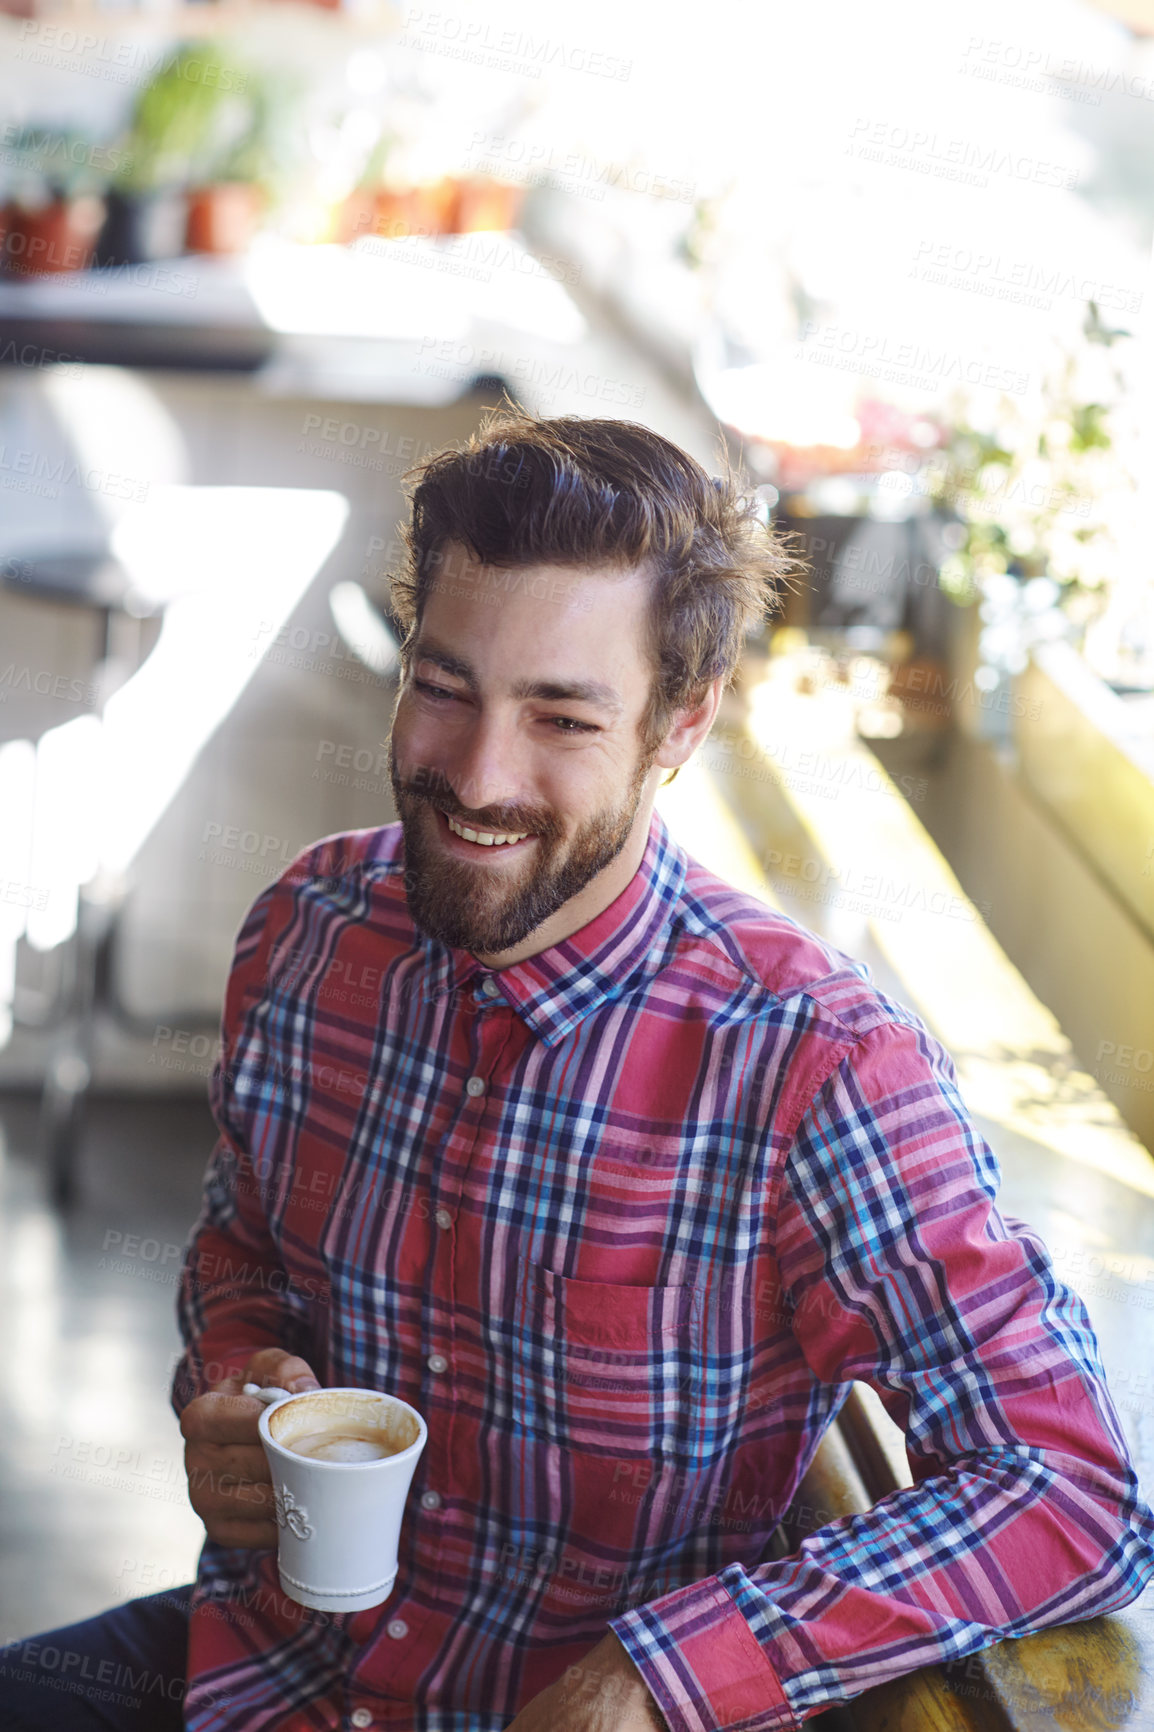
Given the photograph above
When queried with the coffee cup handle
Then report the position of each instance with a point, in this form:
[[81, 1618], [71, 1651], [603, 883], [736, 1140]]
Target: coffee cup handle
[[267, 1395]]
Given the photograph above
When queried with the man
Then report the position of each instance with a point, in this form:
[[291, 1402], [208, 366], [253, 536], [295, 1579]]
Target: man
[[620, 1179]]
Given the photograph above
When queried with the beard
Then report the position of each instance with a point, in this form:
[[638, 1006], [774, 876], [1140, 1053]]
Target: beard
[[486, 910]]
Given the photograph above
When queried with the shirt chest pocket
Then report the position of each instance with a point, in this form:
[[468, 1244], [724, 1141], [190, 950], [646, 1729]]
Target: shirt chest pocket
[[602, 1367]]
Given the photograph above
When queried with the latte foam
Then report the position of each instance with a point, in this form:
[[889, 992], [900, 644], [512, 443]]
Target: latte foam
[[342, 1443]]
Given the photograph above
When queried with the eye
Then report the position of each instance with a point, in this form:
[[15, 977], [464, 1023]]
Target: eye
[[570, 725], [436, 693]]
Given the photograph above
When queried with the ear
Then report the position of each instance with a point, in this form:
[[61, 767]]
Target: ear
[[690, 726]]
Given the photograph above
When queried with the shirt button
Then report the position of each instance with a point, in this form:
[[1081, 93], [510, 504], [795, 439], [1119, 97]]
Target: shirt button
[[443, 1218], [489, 987], [437, 1362], [361, 1717], [475, 1085], [430, 1500], [397, 1628]]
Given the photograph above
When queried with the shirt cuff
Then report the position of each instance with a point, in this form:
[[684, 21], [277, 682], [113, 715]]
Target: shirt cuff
[[702, 1663]]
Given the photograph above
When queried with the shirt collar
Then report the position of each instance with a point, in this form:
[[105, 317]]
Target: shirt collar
[[554, 990]]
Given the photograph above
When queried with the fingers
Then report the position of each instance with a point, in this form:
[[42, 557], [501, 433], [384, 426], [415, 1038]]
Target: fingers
[[236, 1522], [226, 1489], [229, 1485], [272, 1365], [230, 1489], [222, 1418], [238, 1462]]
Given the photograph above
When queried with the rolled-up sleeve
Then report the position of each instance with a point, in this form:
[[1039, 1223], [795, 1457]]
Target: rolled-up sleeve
[[236, 1294], [1025, 1511]]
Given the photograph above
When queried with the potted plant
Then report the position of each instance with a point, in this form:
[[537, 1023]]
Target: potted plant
[[175, 127], [241, 182], [393, 207], [375, 207], [224, 215], [55, 209], [1031, 495], [486, 204]]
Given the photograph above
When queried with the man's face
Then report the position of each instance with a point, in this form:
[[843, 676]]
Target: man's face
[[519, 717]]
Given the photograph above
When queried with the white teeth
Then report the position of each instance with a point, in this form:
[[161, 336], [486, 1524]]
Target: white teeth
[[486, 838]]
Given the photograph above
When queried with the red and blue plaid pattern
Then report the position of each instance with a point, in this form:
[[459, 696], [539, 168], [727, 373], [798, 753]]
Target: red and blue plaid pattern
[[623, 1222]]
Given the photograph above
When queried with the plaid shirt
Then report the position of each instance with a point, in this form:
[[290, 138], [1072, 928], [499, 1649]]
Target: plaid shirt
[[623, 1221]]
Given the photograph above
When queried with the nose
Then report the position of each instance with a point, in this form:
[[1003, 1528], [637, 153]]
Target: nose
[[484, 767]]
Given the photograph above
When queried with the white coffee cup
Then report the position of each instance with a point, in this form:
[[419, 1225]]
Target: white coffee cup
[[340, 1521]]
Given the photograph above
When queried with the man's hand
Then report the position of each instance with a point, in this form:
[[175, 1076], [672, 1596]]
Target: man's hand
[[228, 1479], [601, 1693]]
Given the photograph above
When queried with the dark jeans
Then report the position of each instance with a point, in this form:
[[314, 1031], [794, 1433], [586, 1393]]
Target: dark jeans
[[124, 1669]]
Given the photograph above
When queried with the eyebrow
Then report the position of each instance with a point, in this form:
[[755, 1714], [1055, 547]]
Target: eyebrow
[[594, 692]]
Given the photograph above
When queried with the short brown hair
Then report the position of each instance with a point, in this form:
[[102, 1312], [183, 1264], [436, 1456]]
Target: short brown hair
[[572, 491]]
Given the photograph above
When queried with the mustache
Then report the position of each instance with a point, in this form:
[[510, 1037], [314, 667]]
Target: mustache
[[500, 818]]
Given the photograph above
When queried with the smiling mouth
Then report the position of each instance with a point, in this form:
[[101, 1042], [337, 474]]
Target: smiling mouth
[[485, 838]]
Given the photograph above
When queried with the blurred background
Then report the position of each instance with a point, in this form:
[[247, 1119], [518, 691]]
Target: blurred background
[[260, 257]]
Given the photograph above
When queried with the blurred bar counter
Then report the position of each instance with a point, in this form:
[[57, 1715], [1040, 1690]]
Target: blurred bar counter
[[413, 320]]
